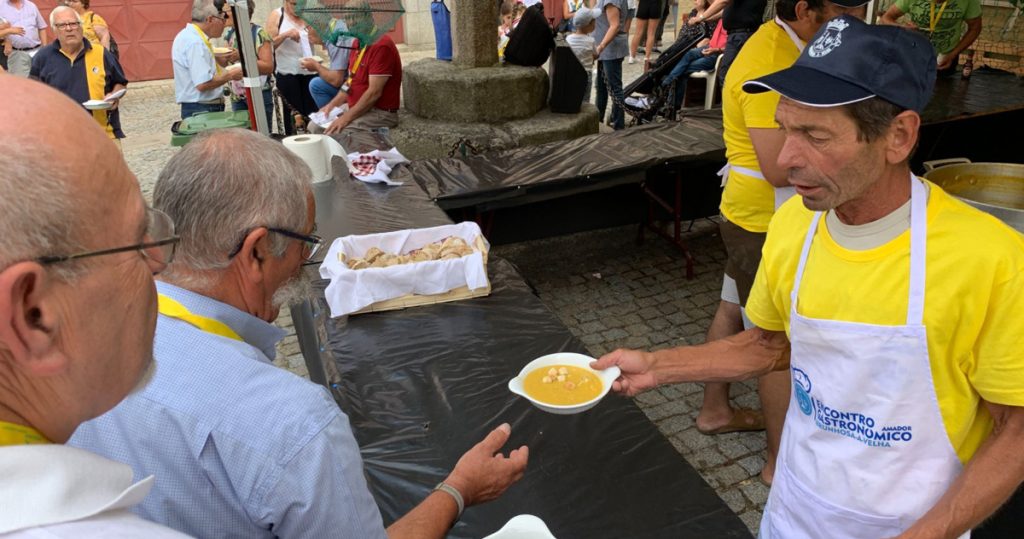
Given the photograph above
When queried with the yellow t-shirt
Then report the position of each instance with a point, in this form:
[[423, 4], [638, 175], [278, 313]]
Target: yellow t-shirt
[[974, 292], [90, 20], [747, 201]]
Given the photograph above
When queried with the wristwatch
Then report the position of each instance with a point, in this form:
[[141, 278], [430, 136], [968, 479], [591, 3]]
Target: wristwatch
[[454, 493]]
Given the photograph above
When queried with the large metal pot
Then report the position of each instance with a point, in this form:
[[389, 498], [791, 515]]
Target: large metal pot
[[996, 188]]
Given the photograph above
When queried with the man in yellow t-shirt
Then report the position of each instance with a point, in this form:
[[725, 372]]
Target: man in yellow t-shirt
[[901, 330], [753, 189]]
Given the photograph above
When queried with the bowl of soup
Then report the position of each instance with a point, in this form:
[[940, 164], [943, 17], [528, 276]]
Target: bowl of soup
[[563, 383]]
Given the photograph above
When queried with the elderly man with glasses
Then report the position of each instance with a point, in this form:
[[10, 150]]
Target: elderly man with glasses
[[242, 448], [199, 74], [83, 71], [77, 314]]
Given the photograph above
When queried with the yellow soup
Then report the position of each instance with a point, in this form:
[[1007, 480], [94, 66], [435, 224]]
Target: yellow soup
[[562, 385]]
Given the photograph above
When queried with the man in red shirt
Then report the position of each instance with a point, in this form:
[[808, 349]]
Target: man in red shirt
[[372, 90]]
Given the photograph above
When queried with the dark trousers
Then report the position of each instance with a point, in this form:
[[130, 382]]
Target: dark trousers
[[612, 70], [295, 93], [191, 109], [733, 43], [692, 61]]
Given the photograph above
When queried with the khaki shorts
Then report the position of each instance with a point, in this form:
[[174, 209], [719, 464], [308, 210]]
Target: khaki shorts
[[743, 249]]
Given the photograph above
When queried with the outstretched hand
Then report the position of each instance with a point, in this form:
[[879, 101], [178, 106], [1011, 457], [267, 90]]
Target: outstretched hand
[[636, 369], [483, 473]]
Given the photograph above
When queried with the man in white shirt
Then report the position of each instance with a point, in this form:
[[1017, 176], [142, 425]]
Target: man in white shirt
[[27, 36], [198, 74], [77, 315]]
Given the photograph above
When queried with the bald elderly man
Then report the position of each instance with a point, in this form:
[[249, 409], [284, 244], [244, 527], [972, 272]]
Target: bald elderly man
[[241, 447], [77, 314]]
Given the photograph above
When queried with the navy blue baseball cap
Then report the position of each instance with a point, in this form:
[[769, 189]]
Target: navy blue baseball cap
[[849, 61]]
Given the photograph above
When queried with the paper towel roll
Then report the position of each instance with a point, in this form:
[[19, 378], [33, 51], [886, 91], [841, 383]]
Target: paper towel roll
[[316, 151]]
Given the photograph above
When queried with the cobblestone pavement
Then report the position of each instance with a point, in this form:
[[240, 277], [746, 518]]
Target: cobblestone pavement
[[613, 293], [609, 291]]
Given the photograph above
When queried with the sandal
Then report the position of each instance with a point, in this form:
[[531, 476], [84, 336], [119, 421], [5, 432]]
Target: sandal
[[743, 419]]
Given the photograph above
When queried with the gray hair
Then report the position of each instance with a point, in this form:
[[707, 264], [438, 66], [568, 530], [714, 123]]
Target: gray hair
[[219, 188], [61, 9], [873, 117], [38, 215], [203, 9]]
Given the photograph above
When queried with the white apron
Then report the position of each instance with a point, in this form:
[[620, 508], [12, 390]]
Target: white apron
[[864, 451]]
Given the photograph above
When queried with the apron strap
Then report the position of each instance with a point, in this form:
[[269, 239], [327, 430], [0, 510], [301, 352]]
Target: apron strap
[[803, 258], [918, 250]]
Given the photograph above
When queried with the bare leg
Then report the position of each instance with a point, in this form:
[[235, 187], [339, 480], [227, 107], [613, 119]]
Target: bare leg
[[652, 29], [634, 43], [774, 390], [715, 411]]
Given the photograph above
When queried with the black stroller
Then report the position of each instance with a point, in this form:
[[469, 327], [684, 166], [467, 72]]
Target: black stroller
[[661, 101]]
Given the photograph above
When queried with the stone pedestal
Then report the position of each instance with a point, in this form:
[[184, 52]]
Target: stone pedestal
[[474, 98]]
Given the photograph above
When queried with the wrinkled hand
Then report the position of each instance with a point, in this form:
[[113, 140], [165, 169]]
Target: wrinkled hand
[[336, 126], [235, 73], [945, 60], [636, 374], [309, 64], [17, 31], [232, 56], [292, 34], [114, 102], [483, 473]]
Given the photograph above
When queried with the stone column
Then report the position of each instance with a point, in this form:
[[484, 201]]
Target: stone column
[[474, 33]]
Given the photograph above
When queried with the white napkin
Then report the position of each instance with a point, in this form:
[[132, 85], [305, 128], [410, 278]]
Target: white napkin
[[352, 290], [324, 120], [388, 160]]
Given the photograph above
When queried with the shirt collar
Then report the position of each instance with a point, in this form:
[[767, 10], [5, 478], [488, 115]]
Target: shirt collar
[[791, 33], [86, 47], [255, 332], [50, 484]]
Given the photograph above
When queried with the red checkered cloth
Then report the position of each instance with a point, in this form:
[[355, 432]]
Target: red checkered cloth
[[366, 164]]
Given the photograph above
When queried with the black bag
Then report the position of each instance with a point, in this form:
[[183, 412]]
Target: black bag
[[531, 42], [113, 44]]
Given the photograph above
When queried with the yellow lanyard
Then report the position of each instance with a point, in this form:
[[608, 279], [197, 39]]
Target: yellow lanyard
[[206, 40], [170, 308], [355, 66], [11, 434], [933, 20]]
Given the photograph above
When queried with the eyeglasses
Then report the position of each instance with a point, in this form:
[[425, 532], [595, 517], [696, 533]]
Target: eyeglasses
[[68, 25], [313, 243], [223, 17], [158, 246]]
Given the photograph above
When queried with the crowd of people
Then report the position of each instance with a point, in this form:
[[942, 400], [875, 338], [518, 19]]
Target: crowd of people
[[919, 362]]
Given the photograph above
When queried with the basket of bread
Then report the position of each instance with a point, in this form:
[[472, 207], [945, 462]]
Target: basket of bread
[[395, 270]]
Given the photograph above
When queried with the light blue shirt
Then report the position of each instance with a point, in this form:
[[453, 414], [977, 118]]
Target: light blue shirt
[[193, 65], [29, 18], [340, 50], [239, 447]]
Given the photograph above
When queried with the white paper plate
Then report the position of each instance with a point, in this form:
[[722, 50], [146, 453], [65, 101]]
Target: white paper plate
[[606, 376], [221, 50], [117, 95], [97, 104], [523, 527], [317, 59]]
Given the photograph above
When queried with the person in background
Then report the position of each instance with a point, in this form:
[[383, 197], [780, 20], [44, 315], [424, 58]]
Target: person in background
[[611, 50], [631, 6], [740, 19], [582, 43], [700, 58], [199, 77], [25, 35], [5, 30], [293, 41], [373, 89], [77, 237], [943, 23], [900, 332], [329, 78], [569, 9], [242, 447], [648, 14], [93, 26], [81, 70], [264, 62]]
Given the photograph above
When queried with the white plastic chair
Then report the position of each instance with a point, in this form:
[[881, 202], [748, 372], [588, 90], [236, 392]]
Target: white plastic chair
[[712, 78]]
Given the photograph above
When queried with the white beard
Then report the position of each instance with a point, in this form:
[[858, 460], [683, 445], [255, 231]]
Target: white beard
[[294, 291]]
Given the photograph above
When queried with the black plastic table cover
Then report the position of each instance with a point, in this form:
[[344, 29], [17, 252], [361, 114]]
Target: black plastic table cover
[[597, 161], [423, 385]]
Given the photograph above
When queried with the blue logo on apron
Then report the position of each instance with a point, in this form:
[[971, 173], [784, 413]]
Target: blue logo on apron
[[802, 390]]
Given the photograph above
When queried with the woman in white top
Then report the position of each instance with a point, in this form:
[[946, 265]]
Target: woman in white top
[[292, 41]]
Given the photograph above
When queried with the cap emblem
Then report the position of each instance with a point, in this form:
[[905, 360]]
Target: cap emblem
[[829, 40]]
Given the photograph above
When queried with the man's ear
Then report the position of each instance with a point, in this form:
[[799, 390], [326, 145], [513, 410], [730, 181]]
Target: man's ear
[[902, 137], [29, 319], [802, 10], [255, 252]]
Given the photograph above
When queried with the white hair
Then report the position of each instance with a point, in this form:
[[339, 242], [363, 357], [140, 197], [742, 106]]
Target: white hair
[[61, 9], [203, 9], [220, 187], [38, 215]]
